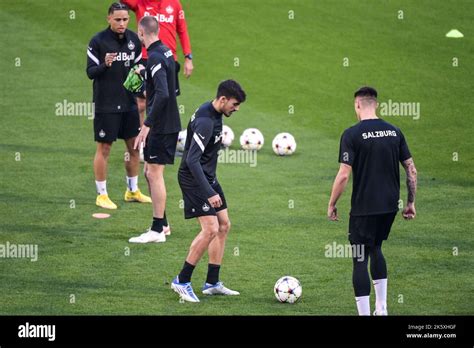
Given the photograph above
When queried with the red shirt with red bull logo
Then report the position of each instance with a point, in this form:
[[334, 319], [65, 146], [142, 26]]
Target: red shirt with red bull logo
[[170, 16]]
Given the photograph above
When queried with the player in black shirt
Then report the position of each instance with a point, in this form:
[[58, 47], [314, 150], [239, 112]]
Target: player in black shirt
[[161, 127], [202, 194], [110, 55], [372, 150]]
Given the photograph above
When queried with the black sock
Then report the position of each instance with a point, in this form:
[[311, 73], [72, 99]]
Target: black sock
[[186, 273], [213, 273], [157, 225], [165, 221]]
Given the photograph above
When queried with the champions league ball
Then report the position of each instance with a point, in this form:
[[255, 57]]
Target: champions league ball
[[181, 140], [227, 136], [288, 289], [284, 144], [251, 139]]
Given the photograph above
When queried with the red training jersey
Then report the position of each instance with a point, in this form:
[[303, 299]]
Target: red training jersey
[[170, 16]]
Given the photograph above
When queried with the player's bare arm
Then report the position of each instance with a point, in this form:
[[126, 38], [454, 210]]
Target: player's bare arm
[[140, 140], [410, 212], [342, 178], [188, 67]]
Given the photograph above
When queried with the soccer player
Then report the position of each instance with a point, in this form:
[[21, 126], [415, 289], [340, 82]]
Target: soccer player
[[372, 149], [202, 194], [170, 16], [160, 129], [110, 55]]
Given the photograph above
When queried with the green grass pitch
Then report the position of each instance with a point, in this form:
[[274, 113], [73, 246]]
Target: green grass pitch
[[300, 62]]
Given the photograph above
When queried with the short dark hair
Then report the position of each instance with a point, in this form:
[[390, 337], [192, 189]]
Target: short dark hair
[[366, 91], [117, 6], [231, 89], [150, 25]]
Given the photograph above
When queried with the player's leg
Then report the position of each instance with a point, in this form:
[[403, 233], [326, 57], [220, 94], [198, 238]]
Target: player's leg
[[216, 253], [378, 266], [159, 151], [132, 167], [132, 161], [100, 172], [101, 158], [360, 279], [129, 129], [105, 133], [182, 283], [361, 237], [154, 174], [217, 246], [156, 183], [160, 222], [378, 271], [209, 230]]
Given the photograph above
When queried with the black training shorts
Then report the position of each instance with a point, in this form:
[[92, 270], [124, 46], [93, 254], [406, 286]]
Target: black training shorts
[[110, 126], [196, 201], [370, 229], [160, 148]]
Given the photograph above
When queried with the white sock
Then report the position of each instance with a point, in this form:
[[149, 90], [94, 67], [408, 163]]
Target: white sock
[[363, 305], [380, 286], [132, 183], [101, 187]]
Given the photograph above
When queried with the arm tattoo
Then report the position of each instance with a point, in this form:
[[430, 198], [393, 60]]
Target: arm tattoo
[[410, 169]]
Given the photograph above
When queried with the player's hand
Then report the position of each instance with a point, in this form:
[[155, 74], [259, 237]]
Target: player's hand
[[332, 213], [409, 212], [139, 69], [109, 59], [140, 140], [188, 67], [215, 201]]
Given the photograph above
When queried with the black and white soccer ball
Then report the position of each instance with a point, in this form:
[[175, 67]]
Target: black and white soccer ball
[[181, 140], [284, 144], [227, 136], [251, 139], [288, 289]]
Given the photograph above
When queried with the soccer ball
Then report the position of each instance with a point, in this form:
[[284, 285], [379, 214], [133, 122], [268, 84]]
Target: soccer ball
[[251, 139], [227, 136], [181, 140], [284, 144], [288, 289]]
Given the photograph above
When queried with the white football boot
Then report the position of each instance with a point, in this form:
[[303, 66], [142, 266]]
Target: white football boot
[[149, 236], [218, 289]]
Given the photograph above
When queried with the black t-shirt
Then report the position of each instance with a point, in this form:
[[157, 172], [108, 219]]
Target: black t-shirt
[[110, 96], [203, 142], [162, 107], [374, 148]]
